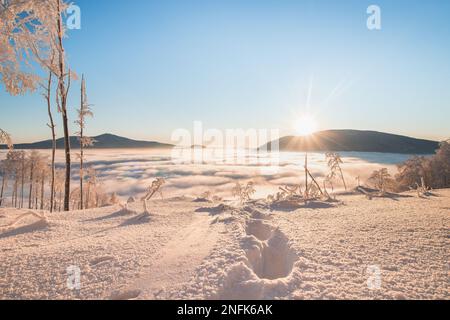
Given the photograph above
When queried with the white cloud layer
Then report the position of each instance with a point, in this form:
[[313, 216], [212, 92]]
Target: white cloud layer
[[130, 172]]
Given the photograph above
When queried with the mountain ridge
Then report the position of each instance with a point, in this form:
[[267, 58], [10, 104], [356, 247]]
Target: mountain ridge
[[323, 141], [103, 141], [355, 141]]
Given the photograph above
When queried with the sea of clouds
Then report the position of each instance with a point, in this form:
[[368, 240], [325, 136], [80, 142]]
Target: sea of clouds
[[130, 172]]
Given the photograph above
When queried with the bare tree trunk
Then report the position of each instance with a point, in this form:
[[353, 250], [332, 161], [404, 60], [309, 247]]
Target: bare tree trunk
[[63, 91], [12, 197], [22, 192], [52, 128], [42, 191], [314, 181], [54, 199], [68, 160], [3, 188], [306, 175], [81, 180], [30, 197], [16, 184], [81, 143], [88, 193], [343, 179]]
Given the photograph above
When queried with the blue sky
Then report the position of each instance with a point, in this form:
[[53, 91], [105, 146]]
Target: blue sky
[[156, 66]]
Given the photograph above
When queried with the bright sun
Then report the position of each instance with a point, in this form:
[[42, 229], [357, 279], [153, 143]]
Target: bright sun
[[306, 125]]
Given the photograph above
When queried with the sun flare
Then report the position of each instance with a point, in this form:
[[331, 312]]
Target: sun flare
[[306, 125]]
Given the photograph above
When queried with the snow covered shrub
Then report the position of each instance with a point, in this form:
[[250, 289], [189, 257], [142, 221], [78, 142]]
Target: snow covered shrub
[[314, 192], [244, 192], [288, 197], [204, 197], [434, 171], [412, 172], [440, 167], [422, 189], [114, 199], [286, 193], [155, 188], [382, 180]]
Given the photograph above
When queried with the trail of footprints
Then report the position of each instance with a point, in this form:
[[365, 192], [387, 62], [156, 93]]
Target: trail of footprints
[[268, 253], [271, 257]]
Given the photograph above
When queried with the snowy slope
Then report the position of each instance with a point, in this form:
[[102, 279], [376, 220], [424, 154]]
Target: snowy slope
[[191, 250]]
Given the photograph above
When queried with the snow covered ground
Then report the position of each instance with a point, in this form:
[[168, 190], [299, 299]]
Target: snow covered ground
[[385, 248]]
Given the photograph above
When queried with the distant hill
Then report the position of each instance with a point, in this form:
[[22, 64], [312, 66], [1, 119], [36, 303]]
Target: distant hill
[[104, 141], [358, 141]]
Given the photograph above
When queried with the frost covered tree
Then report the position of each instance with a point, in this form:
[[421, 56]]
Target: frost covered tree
[[63, 74], [5, 138], [34, 160], [412, 171], [440, 166], [13, 168], [47, 90], [382, 180], [44, 171], [334, 162], [23, 164], [431, 172], [83, 112], [4, 174], [92, 188], [59, 188], [32, 31]]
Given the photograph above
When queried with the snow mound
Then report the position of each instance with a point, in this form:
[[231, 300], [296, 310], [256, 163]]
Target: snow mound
[[125, 295], [200, 200], [221, 208], [101, 260], [142, 218], [16, 227]]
